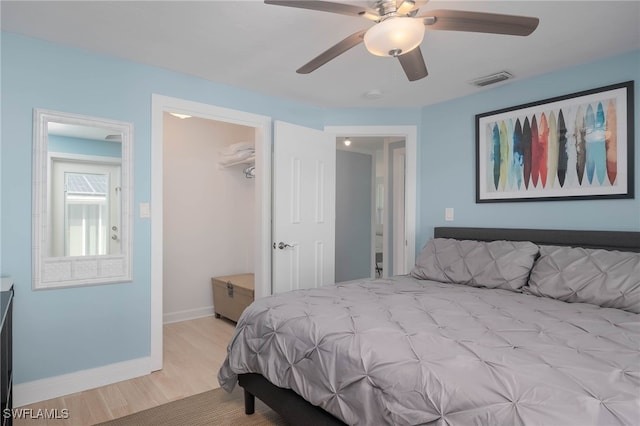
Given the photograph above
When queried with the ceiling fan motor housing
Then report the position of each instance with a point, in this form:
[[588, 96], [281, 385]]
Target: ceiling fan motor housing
[[386, 7]]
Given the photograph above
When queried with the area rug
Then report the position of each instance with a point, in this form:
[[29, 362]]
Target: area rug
[[214, 407]]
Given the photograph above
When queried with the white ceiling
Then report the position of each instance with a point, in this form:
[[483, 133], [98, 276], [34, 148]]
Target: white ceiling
[[252, 45]]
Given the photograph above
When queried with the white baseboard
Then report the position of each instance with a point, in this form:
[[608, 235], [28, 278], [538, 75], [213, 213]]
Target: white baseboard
[[187, 314], [65, 384]]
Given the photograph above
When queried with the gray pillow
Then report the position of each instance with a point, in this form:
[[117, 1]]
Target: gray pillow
[[610, 279], [495, 264]]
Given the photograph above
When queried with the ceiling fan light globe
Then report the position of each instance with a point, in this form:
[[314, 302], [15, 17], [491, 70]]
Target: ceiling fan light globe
[[393, 35]]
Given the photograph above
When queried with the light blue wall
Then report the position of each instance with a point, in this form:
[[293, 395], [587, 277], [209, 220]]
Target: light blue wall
[[66, 330], [354, 175], [447, 158]]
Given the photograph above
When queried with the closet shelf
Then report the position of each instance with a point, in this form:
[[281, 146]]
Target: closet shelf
[[240, 154], [247, 161]]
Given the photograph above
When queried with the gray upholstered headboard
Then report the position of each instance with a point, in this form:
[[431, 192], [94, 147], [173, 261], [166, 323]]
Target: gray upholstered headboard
[[609, 240]]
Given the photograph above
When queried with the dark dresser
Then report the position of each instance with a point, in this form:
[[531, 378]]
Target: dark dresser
[[6, 355]]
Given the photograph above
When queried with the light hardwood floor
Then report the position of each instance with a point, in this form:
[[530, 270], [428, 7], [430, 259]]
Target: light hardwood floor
[[193, 352]]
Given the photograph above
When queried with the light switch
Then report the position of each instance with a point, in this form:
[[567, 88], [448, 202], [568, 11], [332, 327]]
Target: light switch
[[448, 214], [145, 210]]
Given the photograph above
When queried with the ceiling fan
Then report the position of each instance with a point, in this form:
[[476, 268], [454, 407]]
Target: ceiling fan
[[399, 29]]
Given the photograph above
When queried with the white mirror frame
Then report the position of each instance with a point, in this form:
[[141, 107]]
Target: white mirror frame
[[71, 271]]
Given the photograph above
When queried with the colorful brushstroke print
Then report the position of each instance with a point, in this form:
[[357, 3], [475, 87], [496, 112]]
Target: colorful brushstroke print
[[581, 147], [569, 147], [517, 165], [611, 142], [563, 156], [543, 149], [535, 152], [526, 148], [553, 151]]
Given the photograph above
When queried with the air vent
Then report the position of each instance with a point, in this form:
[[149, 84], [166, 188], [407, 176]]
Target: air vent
[[491, 79]]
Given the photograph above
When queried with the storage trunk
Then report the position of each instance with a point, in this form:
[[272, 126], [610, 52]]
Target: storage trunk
[[231, 295]]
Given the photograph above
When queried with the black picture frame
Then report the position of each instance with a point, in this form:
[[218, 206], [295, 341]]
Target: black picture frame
[[578, 146]]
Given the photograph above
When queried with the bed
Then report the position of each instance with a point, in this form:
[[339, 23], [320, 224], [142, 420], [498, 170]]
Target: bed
[[493, 326]]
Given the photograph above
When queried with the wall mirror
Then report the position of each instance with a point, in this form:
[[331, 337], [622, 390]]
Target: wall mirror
[[82, 197]]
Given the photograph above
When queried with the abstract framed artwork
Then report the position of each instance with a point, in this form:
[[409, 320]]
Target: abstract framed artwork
[[577, 146]]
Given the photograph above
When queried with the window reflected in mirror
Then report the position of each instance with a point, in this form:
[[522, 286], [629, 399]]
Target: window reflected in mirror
[[81, 199], [89, 218], [84, 197]]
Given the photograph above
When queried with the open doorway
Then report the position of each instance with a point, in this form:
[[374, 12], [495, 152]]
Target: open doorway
[[260, 127], [208, 212], [370, 206], [401, 144]]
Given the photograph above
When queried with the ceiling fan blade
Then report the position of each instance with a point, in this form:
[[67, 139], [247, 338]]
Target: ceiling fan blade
[[480, 22], [413, 64], [334, 51], [328, 6]]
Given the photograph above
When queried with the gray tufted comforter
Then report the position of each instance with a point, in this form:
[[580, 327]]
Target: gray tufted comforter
[[404, 351]]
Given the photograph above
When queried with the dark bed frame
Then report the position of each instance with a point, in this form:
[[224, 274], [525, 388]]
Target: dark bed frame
[[296, 410]]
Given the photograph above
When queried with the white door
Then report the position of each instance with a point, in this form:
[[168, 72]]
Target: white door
[[304, 195]]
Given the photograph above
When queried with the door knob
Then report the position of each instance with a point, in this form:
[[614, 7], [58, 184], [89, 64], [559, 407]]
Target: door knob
[[282, 245]]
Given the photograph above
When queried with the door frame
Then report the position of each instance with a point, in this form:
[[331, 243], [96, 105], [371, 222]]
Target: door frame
[[398, 159], [262, 124], [410, 135]]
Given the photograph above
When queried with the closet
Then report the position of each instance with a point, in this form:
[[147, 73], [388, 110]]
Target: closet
[[208, 210]]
